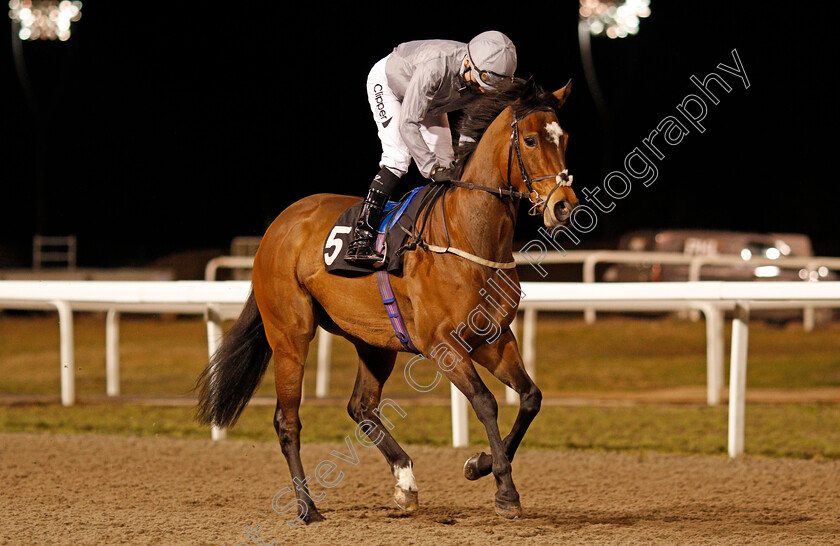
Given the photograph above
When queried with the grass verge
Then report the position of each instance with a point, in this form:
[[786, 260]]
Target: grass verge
[[810, 431]]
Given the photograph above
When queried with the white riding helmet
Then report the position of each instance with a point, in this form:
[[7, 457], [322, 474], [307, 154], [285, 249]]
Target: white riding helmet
[[492, 58]]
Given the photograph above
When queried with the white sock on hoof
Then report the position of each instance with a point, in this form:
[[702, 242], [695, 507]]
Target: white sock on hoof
[[405, 478]]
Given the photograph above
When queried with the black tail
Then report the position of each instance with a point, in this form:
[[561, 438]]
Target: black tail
[[235, 370]]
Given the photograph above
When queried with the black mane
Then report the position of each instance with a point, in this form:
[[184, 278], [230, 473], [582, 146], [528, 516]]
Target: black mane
[[525, 96]]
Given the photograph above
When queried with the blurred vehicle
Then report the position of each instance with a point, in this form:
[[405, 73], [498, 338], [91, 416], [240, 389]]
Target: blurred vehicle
[[746, 245]]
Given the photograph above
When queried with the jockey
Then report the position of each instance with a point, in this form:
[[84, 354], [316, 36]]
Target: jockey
[[410, 92]]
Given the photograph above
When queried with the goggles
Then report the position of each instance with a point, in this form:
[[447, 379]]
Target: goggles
[[486, 78]]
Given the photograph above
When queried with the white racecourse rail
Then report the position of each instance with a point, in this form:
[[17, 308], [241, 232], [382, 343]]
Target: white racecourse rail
[[218, 300], [589, 259]]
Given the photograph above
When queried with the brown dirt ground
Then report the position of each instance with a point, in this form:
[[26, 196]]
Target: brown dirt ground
[[92, 489]]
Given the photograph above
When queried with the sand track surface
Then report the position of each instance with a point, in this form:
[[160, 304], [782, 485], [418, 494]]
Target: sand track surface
[[94, 489]]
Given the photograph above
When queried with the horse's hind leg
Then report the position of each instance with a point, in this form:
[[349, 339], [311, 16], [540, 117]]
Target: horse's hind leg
[[289, 379], [366, 407], [289, 332], [503, 359]]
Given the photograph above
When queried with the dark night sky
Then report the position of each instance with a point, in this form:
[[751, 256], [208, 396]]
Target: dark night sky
[[181, 127]]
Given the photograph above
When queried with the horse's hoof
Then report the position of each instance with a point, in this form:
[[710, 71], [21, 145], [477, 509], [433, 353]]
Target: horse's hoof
[[509, 510], [313, 517], [407, 500], [474, 467]]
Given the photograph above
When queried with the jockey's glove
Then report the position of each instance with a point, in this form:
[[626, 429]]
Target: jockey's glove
[[441, 174]]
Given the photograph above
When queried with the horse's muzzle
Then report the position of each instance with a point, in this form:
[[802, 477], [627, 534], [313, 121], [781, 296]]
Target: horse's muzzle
[[558, 211], [562, 210]]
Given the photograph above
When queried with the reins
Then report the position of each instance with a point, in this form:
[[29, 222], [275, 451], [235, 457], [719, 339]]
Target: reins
[[500, 192], [439, 190]]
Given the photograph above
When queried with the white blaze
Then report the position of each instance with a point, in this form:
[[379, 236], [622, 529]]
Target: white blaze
[[554, 132]]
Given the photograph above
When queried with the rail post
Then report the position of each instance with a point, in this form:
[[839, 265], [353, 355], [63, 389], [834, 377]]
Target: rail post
[[68, 359], [460, 428], [112, 352], [214, 340], [322, 374], [738, 378], [715, 348]]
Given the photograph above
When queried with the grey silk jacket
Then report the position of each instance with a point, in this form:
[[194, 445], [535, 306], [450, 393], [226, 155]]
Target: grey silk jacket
[[426, 76]]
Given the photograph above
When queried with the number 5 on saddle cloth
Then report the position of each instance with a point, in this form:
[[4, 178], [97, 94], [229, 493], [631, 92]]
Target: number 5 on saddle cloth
[[397, 222]]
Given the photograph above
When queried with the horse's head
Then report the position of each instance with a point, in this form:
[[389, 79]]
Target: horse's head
[[536, 158]]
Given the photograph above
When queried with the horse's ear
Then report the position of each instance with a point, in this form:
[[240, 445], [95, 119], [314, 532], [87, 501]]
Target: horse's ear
[[529, 90], [563, 93]]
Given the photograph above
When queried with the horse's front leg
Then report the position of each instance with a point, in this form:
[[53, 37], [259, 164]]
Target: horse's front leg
[[503, 359], [458, 368]]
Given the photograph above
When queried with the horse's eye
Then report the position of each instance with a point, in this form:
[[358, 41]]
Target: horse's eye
[[530, 141]]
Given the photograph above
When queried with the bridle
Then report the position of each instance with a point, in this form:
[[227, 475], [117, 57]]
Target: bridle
[[538, 203], [439, 189], [562, 177]]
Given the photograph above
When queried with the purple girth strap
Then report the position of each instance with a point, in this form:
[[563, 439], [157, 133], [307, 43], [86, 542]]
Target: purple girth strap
[[390, 302]]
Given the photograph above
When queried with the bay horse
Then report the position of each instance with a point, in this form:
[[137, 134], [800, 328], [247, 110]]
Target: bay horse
[[516, 134]]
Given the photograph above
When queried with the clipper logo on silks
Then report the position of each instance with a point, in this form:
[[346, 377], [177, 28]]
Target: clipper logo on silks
[[380, 104]]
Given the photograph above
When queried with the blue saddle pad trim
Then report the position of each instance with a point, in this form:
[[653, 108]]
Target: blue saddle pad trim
[[394, 209]]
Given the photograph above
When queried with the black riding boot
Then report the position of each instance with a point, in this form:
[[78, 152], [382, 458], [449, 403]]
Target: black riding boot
[[361, 250]]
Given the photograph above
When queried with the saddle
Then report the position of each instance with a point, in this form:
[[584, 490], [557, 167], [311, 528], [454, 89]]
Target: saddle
[[397, 223]]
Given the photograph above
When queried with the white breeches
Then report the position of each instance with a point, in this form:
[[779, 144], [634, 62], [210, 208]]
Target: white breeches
[[385, 107]]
